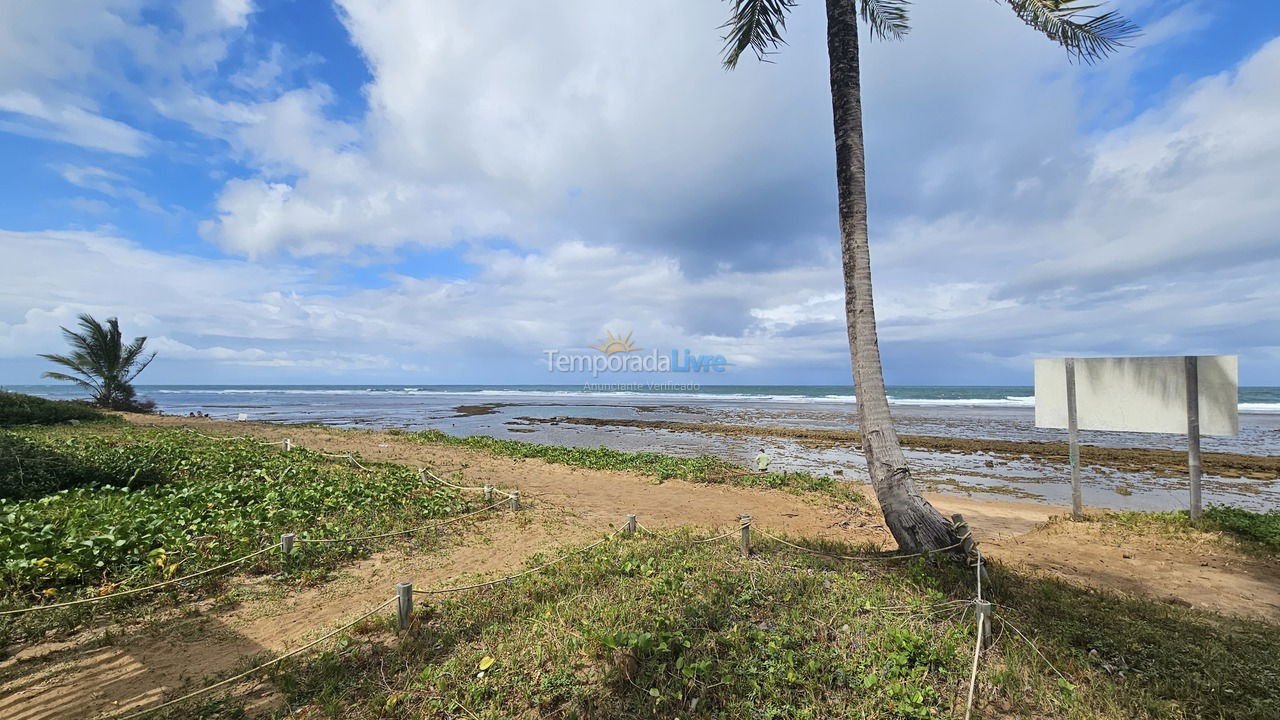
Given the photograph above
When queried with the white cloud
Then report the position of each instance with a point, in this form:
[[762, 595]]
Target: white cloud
[[644, 188], [108, 183], [64, 122]]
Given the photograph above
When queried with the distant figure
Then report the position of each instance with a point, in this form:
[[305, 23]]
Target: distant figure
[[762, 461]]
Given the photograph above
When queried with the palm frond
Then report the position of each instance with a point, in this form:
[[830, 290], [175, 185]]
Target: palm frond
[[131, 360], [69, 378], [74, 364], [886, 19], [755, 24], [1086, 38]]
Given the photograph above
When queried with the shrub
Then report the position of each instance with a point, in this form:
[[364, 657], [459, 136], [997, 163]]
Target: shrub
[[20, 409]]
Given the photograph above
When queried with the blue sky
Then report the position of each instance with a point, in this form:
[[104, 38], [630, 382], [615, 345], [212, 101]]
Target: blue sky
[[388, 191]]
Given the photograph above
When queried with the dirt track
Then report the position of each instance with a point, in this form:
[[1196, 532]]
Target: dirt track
[[565, 507]]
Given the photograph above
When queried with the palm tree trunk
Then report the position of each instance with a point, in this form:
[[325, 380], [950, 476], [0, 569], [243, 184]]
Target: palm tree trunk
[[915, 524]]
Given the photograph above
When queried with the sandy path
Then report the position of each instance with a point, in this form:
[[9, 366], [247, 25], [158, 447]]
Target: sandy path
[[566, 506]]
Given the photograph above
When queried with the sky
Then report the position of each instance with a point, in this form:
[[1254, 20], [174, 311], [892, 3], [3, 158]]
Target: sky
[[392, 191]]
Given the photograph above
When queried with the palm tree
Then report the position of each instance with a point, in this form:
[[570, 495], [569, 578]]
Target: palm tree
[[759, 25], [105, 366]]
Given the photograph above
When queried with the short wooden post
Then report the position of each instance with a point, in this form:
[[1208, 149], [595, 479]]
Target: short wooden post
[[984, 622], [515, 499], [286, 543], [288, 445], [488, 493], [631, 524], [1193, 432], [404, 604], [745, 522], [969, 546], [1073, 438], [964, 535], [422, 475]]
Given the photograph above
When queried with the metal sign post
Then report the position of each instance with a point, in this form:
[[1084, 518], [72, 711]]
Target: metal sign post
[[1073, 436], [1193, 432]]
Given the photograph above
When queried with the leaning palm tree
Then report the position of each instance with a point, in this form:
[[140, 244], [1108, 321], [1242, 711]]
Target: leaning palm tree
[[758, 25], [101, 362]]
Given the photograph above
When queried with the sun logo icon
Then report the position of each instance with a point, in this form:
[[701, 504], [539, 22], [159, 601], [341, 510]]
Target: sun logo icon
[[615, 344]]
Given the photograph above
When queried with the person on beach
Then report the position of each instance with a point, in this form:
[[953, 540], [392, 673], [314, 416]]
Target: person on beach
[[762, 461]]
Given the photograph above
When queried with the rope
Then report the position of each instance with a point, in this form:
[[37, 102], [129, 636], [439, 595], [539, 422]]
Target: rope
[[135, 591], [250, 671], [521, 574], [1033, 645], [235, 437], [410, 531], [973, 673], [735, 531], [446, 483], [857, 557]]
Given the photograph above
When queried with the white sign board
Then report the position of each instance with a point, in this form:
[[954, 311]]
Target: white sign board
[[1139, 394]]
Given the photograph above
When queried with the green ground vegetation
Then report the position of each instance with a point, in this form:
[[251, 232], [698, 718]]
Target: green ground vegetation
[[1257, 532], [86, 512]]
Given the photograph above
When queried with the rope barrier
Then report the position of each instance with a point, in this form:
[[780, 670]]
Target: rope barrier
[[410, 531], [236, 437], [446, 483], [718, 537], [246, 673], [530, 571], [135, 591]]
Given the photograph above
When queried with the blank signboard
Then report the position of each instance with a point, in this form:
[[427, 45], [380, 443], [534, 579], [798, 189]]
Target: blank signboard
[[1139, 394]]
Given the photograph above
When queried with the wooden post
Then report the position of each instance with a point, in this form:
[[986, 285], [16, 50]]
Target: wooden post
[[745, 522], [404, 604], [288, 445], [1193, 432], [422, 475], [1073, 438], [984, 621], [488, 493], [964, 535], [631, 524], [286, 543], [515, 499]]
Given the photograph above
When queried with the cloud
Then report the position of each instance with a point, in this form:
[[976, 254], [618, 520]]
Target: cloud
[[597, 178], [108, 183], [31, 116]]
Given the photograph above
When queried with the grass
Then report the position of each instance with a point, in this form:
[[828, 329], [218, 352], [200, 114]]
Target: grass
[[1258, 532], [651, 627], [19, 409], [701, 469], [144, 505]]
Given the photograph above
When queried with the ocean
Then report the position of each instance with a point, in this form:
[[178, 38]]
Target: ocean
[[546, 414]]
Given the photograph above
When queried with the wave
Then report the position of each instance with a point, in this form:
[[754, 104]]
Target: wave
[[1260, 408], [1007, 401]]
